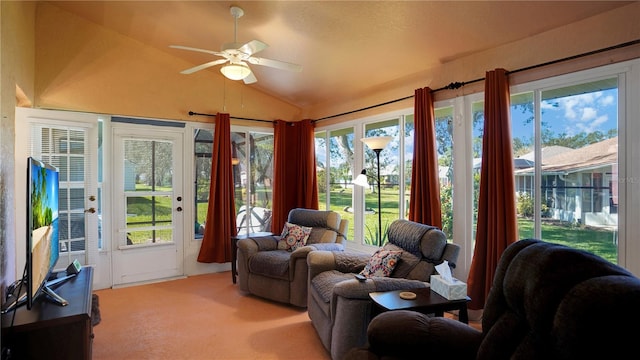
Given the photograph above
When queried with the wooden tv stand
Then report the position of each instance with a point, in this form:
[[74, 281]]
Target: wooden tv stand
[[52, 331]]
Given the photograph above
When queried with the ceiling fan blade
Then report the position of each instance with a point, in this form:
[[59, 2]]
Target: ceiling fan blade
[[250, 79], [196, 49], [275, 64], [253, 47], [203, 66]]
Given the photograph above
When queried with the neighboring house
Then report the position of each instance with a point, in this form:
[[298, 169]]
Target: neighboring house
[[579, 185]]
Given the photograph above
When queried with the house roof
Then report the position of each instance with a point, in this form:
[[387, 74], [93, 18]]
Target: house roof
[[547, 152], [346, 48], [588, 157]]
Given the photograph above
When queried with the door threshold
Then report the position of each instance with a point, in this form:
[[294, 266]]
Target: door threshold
[[119, 286]]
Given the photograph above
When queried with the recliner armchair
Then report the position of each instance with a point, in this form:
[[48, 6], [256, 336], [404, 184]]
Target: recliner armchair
[[547, 301], [339, 305], [268, 269]]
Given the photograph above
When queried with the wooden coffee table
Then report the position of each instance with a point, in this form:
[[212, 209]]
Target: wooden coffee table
[[426, 302]]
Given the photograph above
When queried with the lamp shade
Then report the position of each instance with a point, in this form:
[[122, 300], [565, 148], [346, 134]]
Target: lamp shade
[[235, 71], [377, 142], [361, 180]]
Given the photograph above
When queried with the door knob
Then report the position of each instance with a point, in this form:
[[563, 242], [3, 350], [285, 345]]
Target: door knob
[[90, 210], [179, 208]]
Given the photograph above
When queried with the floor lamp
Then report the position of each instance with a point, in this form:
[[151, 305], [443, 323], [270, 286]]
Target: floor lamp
[[376, 144]]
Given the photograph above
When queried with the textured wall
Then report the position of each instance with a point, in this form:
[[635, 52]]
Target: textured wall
[[16, 63]]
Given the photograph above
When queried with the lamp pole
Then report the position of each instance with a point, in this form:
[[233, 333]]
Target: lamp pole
[[377, 143], [377, 151]]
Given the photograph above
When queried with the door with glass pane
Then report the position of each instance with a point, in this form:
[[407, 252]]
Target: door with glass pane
[[148, 204], [68, 141]]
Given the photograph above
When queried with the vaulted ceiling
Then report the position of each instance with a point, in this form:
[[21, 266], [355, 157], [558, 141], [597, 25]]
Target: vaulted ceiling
[[344, 47]]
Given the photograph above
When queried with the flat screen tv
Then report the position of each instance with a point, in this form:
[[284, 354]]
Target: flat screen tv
[[42, 229]]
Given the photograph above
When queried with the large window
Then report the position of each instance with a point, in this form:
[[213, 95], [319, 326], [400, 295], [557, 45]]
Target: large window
[[579, 160], [252, 161], [253, 174], [574, 160], [335, 191], [387, 201], [565, 147], [444, 146], [342, 155]]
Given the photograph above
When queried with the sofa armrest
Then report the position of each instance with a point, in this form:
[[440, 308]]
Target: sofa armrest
[[259, 243], [404, 333], [252, 245], [343, 261], [320, 261], [303, 251], [328, 246], [354, 289], [247, 247]]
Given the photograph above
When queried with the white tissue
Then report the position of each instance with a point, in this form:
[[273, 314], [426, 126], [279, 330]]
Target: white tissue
[[445, 271]]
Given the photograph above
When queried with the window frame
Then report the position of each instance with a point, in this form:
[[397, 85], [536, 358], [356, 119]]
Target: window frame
[[628, 74]]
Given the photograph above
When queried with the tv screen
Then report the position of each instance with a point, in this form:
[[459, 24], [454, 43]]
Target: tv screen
[[42, 226]]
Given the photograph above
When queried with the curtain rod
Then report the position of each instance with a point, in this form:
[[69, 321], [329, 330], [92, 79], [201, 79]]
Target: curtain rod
[[451, 86], [192, 113], [457, 85]]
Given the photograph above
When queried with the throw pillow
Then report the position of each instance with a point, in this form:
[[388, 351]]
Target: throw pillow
[[406, 263], [293, 236], [382, 263]]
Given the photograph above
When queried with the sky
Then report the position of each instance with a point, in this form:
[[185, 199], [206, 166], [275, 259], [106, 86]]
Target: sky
[[589, 112], [595, 111]]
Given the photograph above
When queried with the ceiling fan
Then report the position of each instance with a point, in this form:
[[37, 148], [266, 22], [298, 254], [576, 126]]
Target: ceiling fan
[[238, 55]]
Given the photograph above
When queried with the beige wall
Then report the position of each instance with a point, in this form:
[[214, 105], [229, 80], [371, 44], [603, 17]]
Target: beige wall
[[16, 70]]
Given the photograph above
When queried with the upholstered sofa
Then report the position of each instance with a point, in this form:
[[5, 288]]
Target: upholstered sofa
[[547, 301], [339, 305], [267, 268]]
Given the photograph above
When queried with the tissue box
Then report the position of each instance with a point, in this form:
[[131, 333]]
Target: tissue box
[[450, 290]]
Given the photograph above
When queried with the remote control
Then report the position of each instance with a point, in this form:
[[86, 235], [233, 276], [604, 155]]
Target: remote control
[[360, 277]]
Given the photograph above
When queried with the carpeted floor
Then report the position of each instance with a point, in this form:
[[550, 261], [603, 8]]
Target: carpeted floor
[[200, 317]]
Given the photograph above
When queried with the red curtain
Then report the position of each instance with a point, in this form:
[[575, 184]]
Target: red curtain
[[295, 184], [496, 226], [424, 201], [221, 214]]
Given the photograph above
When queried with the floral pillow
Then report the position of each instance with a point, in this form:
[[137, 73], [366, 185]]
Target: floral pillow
[[293, 236], [382, 263]]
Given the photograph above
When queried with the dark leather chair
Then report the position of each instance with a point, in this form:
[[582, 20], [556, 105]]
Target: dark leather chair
[[547, 301]]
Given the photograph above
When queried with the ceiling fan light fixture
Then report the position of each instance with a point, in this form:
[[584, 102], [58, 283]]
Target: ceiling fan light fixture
[[235, 71]]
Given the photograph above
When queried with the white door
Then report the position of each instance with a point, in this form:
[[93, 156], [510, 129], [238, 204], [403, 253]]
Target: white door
[[68, 141], [148, 203]]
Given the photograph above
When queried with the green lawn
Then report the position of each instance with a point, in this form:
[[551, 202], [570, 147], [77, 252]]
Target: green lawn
[[145, 211], [598, 241]]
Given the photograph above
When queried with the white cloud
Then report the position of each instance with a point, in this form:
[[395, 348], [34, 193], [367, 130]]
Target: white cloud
[[588, 114], [583, 112], [607, 100]]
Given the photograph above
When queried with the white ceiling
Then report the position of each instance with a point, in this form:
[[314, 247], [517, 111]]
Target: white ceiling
[[345, 47]]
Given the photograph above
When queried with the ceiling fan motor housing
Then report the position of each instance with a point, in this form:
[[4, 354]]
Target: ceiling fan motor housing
[[236, 12]]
